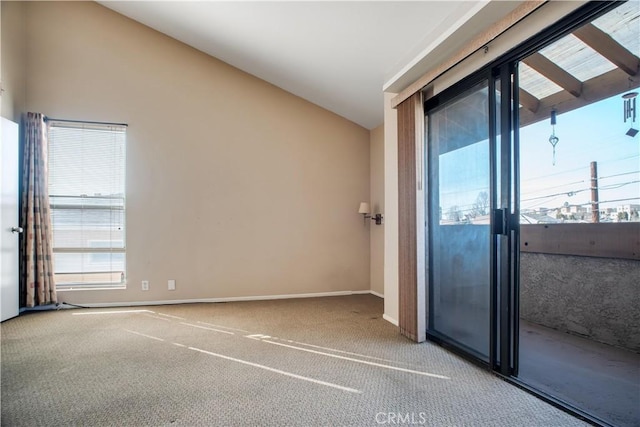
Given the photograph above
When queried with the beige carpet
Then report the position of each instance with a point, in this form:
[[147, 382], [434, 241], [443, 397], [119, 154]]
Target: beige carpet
[[307, 362]]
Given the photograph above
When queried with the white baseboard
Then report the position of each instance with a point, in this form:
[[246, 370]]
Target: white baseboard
[[226, 299], [378, 294], [390, 319]]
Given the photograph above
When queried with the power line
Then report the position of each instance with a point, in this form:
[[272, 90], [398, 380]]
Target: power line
[[464, 208], [470, 207], [567, 193], [618, 160], [614, 186], [535, 205], [581, 181], [619, 174], [574, 192], [558, 186], [579, 168], [554, 174], [571, 193], [611, 201]]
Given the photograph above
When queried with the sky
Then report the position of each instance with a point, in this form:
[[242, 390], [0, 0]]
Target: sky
[[592, 133], [596, 132], [460, 186]]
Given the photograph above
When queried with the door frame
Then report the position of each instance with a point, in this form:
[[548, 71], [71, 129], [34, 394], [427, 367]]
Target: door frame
[[509, 60], [503, 250]]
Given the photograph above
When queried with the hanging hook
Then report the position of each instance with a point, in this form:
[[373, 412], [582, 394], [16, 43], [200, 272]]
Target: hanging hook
[[553, 139]]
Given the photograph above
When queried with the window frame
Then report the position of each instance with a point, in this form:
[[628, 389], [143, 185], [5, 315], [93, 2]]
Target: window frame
[[84, 285]]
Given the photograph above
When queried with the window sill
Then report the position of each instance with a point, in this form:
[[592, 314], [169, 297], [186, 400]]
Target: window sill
[[71, 288]]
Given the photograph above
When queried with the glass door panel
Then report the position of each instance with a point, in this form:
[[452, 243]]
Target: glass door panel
[[459, 222]]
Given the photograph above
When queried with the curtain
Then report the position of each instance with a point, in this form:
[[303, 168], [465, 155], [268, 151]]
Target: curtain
[[36, 248], [412, 299]]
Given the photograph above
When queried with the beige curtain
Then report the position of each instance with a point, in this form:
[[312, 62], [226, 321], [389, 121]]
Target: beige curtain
[[411, 319], [36, 247]]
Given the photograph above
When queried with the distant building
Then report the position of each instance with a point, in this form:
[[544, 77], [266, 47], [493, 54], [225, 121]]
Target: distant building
[[627, 212], [574, 213], [575, 209], [607, 211], [630, 209], [608, 214]]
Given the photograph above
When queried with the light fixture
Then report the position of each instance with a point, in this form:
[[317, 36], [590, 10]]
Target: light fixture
[[629, 107], [365, 210]]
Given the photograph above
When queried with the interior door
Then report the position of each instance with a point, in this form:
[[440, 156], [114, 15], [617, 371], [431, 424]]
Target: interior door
[[9, 230]]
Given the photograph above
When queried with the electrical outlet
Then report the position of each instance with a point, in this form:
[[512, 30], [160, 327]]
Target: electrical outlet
[[145, 285], [172, 285]]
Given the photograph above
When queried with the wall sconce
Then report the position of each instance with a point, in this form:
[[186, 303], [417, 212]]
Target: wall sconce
[[365, 210]]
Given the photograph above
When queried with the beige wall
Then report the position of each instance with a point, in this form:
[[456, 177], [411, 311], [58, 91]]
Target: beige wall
[[391, 298], [234, 187], [376, 168], [12, 59]]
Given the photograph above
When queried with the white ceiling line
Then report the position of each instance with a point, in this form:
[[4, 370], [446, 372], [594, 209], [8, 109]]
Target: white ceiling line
[[435, 43]]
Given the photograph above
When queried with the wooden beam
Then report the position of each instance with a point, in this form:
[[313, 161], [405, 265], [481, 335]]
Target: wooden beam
[[474, 45], [528, 101], [596, 89], [553, 72], [606, 46]]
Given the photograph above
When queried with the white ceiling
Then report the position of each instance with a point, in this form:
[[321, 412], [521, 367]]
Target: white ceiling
[[338, 55]]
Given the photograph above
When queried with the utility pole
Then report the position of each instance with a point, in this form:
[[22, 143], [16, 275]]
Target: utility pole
[[595, 210]]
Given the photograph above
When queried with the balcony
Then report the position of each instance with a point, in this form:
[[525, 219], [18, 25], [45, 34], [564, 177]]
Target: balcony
[[579, 316]]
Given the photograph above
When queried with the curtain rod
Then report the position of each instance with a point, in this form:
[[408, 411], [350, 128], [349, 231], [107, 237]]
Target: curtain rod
[[46, 119]]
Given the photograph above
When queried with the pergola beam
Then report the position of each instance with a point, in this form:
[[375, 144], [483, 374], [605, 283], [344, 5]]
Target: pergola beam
[[554, 73], [596, 89], [606, 46], [528, 101]]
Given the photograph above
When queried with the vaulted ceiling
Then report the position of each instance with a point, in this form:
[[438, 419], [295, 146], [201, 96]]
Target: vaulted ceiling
[[338, 55]]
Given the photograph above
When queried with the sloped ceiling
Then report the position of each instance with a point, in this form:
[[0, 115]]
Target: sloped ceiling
[[338, 55]]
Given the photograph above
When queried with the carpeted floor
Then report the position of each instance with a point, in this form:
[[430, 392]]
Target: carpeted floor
[[307, 362]]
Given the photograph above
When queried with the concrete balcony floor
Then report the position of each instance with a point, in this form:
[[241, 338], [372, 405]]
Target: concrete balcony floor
[[597, 378]]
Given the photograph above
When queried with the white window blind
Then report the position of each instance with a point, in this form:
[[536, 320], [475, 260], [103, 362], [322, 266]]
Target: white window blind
[[87, 200]]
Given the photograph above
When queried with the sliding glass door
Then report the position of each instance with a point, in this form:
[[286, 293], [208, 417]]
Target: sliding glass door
[[459, 175], [472, 207], [469, 205]]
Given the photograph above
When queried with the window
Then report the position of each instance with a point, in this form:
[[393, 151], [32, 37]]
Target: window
[[87, 200], [592, 175]]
